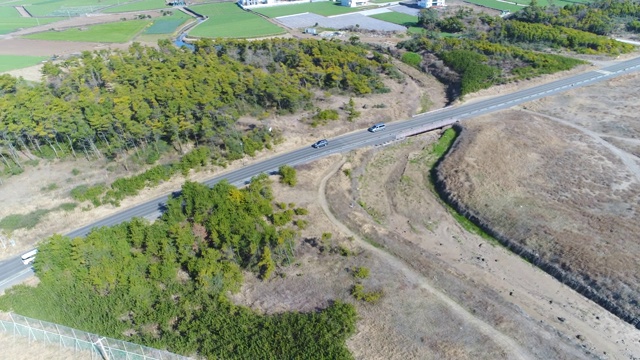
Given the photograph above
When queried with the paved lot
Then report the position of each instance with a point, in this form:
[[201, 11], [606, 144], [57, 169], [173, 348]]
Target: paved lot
[[409, 10], [338, 22]]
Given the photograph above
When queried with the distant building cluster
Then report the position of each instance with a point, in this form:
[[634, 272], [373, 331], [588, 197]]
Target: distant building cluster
[[270, 2], [354, 3], [347, 3], [430, 3]]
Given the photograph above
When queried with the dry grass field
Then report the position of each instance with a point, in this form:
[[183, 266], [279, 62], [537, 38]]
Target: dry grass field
[[559, 181]]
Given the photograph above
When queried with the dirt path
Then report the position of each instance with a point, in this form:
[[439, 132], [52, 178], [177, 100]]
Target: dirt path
[[505, 342], [627, 159]]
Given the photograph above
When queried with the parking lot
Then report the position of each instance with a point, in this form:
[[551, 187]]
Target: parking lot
[[338, 22]]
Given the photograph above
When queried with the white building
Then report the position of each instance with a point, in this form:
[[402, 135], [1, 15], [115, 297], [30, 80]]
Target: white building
[[430, 3], [354, 3]]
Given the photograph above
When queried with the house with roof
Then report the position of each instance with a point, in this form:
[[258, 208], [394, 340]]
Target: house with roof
[[354, 3]]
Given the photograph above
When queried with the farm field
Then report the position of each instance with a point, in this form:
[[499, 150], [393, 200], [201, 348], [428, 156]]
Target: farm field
[[11, 20], [12, 62], [230, 21], [494, 4], [326, 8], [137, 6], [398, 18], [118, 32], [167, 24], [64, 7]]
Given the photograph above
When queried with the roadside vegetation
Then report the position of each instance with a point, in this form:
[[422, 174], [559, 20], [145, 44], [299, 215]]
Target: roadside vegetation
[[597, 17], [487, 50], [165, 284], [432, 157], [98, 105], [30, 220]]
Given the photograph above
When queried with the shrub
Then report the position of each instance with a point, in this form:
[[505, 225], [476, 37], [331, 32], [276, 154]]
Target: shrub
[[89, 193], [411, 58], [288, 175], [301, 224], [361, 272], [68, 206], [357, 291]]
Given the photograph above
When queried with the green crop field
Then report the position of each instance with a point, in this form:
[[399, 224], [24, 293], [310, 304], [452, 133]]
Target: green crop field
[[7, 12], [397, 18], [230, 21], [494, 4], [167, 24], [326, 8], [11, 20], [138, 6], [64, 7], [117, 32], [12, 62]]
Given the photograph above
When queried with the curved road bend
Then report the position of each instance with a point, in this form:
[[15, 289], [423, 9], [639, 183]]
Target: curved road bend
[[12, 271]]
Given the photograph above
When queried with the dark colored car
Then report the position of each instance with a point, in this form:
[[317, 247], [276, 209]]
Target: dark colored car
[[320, 143]]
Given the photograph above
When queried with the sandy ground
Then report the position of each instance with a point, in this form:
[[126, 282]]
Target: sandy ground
[[20, 348]]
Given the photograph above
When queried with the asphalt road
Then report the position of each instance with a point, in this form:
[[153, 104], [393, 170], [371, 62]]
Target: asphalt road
[[12, 271]]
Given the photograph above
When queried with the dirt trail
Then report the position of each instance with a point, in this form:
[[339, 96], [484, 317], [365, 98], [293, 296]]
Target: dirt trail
[[627, 159], [502, 340]]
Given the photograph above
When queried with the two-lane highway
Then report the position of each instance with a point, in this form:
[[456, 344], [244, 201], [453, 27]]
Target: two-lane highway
[[12, 271]]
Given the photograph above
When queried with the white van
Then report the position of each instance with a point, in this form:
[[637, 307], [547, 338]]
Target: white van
[[29, 257], [377, 127]]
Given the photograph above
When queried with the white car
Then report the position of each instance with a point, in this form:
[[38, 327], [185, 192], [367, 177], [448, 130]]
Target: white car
[[377, 127]]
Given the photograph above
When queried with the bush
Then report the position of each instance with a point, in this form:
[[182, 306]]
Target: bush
[[361, 272], [301, 224], [300, 211], [411, 58], [68, 206], [288, 175], [357, 291], [282, 218], [89, 193], [322, 117]]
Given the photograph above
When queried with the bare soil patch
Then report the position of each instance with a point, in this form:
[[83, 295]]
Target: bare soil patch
[[559, 188], [18, 347], [409, 322], [387, 201]]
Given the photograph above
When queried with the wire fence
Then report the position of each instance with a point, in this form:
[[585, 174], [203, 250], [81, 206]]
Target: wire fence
[[99, 347]]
